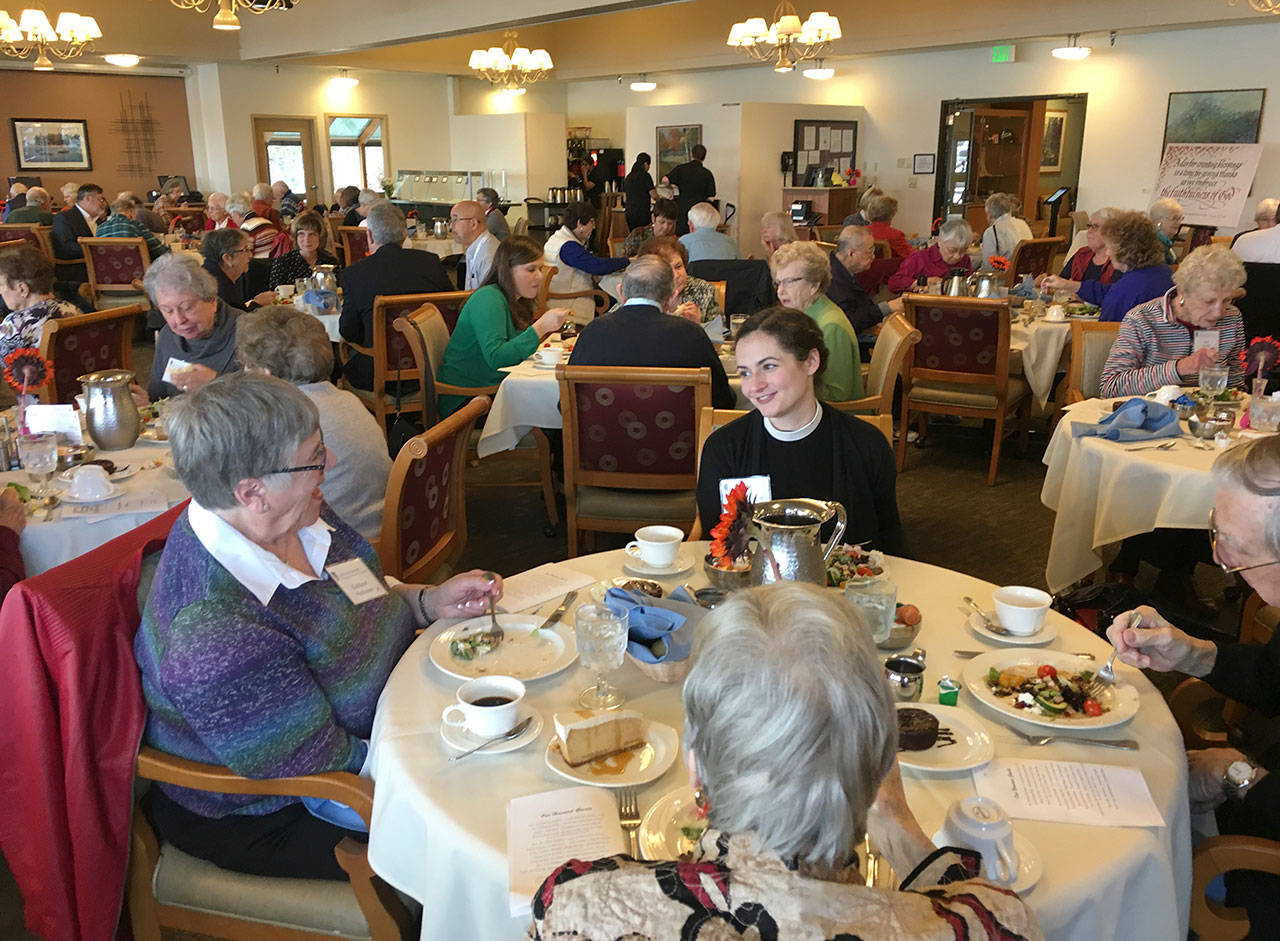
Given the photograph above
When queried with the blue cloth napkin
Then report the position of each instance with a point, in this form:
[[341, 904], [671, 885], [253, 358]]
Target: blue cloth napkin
[[318, 298], [1136, 420], [647, 623], [1026, 288]]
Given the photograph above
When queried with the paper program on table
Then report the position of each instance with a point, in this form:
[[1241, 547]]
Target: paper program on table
[[1069, 792]]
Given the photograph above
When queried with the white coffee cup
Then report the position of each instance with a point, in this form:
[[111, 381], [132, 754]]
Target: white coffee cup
[[1021, 610], [979, 823], [90, 482], [1056, 313], [656, 546], [284, 291], [487, 706], [549, 355]]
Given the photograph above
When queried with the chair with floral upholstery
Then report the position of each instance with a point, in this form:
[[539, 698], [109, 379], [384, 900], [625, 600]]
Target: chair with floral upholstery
[[188, 219], [1032, 257], [961, 367], [12, 243], [114, 265], [424, 520], [38, 235], [84, 344], [392, 357], [354, 240], [630, 446]]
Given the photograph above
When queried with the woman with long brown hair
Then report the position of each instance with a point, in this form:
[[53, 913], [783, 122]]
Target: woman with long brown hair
[[497, 326]]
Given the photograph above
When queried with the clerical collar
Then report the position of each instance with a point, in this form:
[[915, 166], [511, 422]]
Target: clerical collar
[[800, 433]]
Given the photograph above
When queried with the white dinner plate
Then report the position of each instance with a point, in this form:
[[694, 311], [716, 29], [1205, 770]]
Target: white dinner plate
[[463, 740], [1121, 698], [128, 471], [547, 366], [114, 492], [660, 836], [1048, 631], [520, 655], [1030, 863], [148, 436], [682, 564], [973, 747], [640, 765]]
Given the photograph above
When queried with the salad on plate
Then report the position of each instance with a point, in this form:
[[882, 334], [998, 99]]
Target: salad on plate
[[1046, 691]]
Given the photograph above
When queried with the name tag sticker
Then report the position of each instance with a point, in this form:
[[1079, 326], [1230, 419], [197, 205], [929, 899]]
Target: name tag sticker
[[759, 488], [1205, 340], [356, 581]]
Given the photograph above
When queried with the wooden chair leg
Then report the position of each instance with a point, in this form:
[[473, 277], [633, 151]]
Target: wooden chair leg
[[1024, 430], [903, 424], [386, 915], [144, 912], [996, 442], [571, 523], [544, 469]]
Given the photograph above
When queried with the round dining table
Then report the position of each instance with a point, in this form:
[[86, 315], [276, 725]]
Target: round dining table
[[439, 827]]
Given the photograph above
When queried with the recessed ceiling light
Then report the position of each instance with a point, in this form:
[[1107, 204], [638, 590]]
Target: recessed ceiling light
[[643, 84], [126, 60], [1072, 50]]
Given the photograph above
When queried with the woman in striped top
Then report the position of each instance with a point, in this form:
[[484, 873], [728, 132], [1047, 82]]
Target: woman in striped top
[[1156, 340]]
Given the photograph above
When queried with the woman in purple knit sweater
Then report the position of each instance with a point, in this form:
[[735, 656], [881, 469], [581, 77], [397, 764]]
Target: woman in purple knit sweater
[[252, 653], [1135, 250]]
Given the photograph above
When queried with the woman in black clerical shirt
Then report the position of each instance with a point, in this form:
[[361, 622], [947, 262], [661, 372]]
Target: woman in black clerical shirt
[[792, 445]]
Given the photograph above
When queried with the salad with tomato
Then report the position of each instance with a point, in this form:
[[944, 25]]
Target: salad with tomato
[[1046, 691]]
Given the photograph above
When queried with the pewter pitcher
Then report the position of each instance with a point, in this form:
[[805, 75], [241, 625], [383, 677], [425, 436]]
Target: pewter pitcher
[[787, 532], [114, 423], [323, 278], [985, 284]]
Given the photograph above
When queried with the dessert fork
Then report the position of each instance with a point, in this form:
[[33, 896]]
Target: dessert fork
[[1126, 743], [629, 817]]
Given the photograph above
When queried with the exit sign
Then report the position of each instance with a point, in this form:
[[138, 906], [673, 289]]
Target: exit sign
[[1003, 54]]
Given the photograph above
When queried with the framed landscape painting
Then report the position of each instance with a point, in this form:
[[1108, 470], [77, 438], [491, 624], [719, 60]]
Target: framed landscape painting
[[674, 146], [51, 145], [1055, 132], [1214, 117]]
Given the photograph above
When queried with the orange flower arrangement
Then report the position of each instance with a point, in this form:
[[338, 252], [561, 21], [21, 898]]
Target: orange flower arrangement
[[730, 536], [998, 263], [25, 369]]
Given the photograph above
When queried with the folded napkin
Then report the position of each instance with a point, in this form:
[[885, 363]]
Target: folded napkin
[[1136, 420], [318, 298], [1026, 288], [647, 623]]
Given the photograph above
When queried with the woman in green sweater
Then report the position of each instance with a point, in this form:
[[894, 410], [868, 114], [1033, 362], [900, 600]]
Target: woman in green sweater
[[496, 327], [801, 274]]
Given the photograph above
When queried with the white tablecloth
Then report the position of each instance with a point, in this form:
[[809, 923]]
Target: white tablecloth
[[439, 830], [1103, 493], [1041, 345], [440, 247], [47, 544]]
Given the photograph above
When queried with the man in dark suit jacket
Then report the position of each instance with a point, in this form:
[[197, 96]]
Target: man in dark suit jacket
[[855, 251], [639, 332], [696, 184], [79, 220], [389, 269]]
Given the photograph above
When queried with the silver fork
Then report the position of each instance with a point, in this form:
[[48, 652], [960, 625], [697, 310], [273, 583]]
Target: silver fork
[[1155, 447], [1126, 743], [1107, 676], [629, 817]]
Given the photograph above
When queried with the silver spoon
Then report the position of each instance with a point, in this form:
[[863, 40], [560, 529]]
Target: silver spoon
[[991, 625], [504, 737]]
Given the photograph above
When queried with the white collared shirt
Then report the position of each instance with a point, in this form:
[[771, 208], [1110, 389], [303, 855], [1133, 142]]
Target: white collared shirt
[[258, 570], [93, 223], [479, 255]]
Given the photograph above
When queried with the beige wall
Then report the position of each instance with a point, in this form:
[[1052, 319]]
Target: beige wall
[[120, 160]]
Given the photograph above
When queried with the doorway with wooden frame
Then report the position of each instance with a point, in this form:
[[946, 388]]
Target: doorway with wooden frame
[[285, 149]]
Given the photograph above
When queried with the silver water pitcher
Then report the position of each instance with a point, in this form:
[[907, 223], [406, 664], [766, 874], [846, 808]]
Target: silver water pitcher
[[787, 533], [985, 284], [113, 419], [323, 278]]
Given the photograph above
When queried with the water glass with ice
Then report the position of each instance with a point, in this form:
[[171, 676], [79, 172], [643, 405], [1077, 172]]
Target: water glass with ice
[[601, 636], [877, 602], [1213, 380]]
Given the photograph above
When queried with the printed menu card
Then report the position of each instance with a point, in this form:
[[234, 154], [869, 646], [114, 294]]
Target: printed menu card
[[1069, 792]]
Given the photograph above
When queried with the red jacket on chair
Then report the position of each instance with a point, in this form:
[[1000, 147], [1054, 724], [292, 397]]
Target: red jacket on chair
[[74, 714]]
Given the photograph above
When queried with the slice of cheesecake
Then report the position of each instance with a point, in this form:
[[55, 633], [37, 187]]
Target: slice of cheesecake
[[586, 736]]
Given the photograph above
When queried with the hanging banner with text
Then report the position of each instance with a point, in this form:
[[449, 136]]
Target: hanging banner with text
[[1211, 181]]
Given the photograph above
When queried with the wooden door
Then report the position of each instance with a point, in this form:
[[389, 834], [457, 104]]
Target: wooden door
[[285, 149]]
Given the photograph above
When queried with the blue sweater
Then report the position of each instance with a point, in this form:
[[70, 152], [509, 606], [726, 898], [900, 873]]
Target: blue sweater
[[1136, 286]]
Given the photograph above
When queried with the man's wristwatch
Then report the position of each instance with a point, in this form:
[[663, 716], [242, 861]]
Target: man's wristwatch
[[1238, 778]]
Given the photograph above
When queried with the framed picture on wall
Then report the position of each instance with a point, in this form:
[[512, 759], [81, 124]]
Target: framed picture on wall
[[675, 146], [51, 144], [1055, 132], [923, 163], [1214, 117]]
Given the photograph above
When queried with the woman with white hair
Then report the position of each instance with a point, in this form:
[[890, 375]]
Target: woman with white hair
[[1091, 263], [791, 739], [776, 230], [252, 651], [860, 217], [198, 340], [1166, 213], [951, 250], [261, 230], [1004, 230], [801, 275]]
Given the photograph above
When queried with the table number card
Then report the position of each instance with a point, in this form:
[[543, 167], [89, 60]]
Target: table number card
[[1069, 792]]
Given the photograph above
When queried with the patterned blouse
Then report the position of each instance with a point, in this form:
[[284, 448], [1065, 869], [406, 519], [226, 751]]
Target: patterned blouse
[[729, 888], [24, 327], [704, 295], [291, 266], [636, 238]]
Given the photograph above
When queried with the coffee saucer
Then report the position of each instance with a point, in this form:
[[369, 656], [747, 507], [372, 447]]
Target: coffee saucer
[[462, 739], [682, 564], [1048, 631], [1030, 863], [114, 492]]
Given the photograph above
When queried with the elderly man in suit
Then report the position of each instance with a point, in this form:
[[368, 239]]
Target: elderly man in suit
[[389, 269], [77, 221]]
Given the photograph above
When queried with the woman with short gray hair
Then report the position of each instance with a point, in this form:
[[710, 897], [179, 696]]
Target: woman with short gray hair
[[1091, 263], [198, 340], [950, 251], [801, 275], [790, 736], [776, 230], [293, 346], [227, 253], [1166, 213], [1004, 229], [253, 653]]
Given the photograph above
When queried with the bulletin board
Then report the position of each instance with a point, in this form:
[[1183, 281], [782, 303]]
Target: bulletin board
[[824, 143]]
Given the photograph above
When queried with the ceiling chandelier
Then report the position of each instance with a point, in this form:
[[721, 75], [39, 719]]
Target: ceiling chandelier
[[512, 67], [226, 17], [31, 32], [787, 39], [1262, 6]]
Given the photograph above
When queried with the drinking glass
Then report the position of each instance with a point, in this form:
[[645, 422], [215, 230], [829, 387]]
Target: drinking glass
[[602, 640], [877, 602], [1213, 380], [39, 456]]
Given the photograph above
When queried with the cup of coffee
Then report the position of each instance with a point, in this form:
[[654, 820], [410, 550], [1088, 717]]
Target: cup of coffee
[[487, 707], [656, 546], [284, 291], [979, 823], [549, 355], [89, 482], [1021, 610]]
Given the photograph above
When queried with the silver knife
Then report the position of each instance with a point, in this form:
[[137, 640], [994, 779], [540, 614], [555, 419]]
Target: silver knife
[[557, 614]]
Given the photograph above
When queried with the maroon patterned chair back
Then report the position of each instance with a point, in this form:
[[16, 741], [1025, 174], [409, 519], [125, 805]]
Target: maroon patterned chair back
[[961, 339], [84, 344], [18, 230], [118, 264], [190, 221], [1031, 256], [424, 520], [449, 303], [355, 242], [386, 308]]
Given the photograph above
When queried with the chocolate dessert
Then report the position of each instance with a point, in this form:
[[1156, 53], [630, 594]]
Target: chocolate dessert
[[917, 730]]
